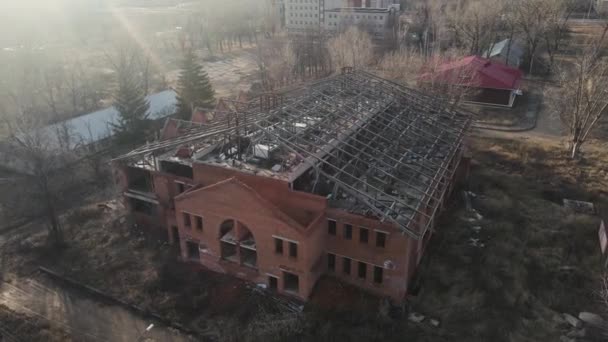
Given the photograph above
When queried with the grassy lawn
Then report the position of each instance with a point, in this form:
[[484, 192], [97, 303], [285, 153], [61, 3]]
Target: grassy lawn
[[538, 260]]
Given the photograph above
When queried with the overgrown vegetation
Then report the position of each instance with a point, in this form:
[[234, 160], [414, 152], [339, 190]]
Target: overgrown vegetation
[[538, 260], [19, 327]]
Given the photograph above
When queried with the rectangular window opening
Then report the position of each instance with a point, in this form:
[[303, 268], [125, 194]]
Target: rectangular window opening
[[291, 282], [362, 271], [346, 265], [293, 249], [273, 283], [249, 257], [228, 251], [331, 227], [187, 222], [199, 222], [278, 246], [378, 275], [331, 262], [348, 232], [192, 250], [380, 239], [363, 235]]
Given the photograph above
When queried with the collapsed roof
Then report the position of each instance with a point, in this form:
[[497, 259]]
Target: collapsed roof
[[370, 146]]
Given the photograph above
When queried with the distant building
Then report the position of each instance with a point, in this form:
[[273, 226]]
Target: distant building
[[84, 132], [485, 82], [601, 6], [95, 127], [506, 52], [303, 16], [376, 21]]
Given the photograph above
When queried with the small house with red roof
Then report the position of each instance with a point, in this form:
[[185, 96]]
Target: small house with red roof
[[483, 81]]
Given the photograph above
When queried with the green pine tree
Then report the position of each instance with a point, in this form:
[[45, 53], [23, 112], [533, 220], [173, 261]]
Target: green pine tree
[[193, 87], [131, 103]]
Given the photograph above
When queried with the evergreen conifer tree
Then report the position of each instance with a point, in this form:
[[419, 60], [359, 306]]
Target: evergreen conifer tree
[[193, 87], [131, 103]]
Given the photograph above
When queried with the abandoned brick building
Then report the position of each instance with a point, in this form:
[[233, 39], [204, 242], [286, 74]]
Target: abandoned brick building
[[344, 177]]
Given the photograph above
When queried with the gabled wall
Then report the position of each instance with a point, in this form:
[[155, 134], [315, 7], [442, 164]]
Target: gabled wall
[[233, 200]]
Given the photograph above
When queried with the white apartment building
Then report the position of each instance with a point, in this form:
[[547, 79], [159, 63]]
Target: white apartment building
[[303, 15], [373, 20], [601, 6], [334, 16]]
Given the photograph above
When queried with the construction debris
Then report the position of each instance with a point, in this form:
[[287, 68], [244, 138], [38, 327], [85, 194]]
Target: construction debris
[[475, 243], [468, 195], [580, 207], [434, 322], [283, 304], [474, 216], [415, 317], [573, 321], [593, 320]]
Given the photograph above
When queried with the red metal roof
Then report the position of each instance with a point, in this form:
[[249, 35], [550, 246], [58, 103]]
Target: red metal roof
[[474, 71]]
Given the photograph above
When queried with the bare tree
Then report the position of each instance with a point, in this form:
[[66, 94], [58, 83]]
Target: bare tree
[[509, 28], [556, 27], [530, 17], [276, 61], [98, 151], [42, 159], [476, 24], [453, 85], [429, 25], [51, 88], [311, 55], [581, 99], [541, 21], [352, 48], [402, 66]]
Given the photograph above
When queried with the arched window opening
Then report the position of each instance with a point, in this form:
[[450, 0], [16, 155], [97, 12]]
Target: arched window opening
[[249, 254], [228, 242], [237, 244]]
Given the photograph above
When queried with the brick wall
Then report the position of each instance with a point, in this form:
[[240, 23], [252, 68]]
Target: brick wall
[[269, 209], [234, 200], [392, 258]]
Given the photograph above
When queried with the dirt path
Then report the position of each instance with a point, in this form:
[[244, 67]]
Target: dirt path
[[83, 318]]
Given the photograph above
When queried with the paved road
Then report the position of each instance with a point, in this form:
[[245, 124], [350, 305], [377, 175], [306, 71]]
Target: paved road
[[86, 319]]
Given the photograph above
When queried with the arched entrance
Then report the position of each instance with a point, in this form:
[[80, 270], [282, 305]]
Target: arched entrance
[[237, 244]]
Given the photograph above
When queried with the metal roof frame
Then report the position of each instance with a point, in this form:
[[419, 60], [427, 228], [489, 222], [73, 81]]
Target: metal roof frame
[[386, 148]]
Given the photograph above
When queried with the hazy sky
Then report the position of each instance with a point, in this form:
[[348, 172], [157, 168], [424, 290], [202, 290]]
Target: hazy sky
[[29, 4], [48, 4]]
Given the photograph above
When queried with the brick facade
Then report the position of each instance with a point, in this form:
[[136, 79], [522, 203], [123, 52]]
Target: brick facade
[[196, 212]]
